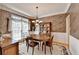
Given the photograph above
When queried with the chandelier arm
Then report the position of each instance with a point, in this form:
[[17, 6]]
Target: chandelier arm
[[37, 21]]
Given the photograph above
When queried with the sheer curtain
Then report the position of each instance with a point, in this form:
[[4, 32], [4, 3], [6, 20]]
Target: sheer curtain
[[25, 27], [20, 27], [16, 27]]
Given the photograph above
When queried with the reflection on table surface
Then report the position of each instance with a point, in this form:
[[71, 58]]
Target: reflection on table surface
[[11, 39]]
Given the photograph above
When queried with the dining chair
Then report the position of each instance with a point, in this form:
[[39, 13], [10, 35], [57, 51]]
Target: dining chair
[[49, 44], [30, 42]]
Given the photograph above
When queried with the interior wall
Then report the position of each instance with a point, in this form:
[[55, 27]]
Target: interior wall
[[60, 37], [74, 45], [58, 22], [74, 16], [3, 21], [74, 28], [0, 21]]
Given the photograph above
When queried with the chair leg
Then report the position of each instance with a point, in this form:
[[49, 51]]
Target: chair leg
[[42, 47], [52, 47], [51, 50], [38, 47], [40, 43], [45, 47], [26, 42], [32, 50], [27, 48]]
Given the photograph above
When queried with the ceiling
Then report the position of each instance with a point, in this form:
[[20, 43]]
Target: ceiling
[[44, 9]]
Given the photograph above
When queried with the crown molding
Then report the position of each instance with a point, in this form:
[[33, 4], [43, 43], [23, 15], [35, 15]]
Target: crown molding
[[12, 9], [24, 13], [67, 8], [52, 14]]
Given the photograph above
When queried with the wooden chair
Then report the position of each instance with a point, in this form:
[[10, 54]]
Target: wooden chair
[[49, 44], [32, 43]]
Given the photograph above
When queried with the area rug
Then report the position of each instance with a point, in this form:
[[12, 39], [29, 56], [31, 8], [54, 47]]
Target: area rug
[[57, 50]]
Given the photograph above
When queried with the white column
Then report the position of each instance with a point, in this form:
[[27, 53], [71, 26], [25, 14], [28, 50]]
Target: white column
[[68, 29]]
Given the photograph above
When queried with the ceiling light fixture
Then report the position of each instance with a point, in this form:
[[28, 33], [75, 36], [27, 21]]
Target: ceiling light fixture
[[36, 21]]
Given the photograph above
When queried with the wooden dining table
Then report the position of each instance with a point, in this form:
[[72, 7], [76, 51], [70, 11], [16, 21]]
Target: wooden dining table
[[41, 38], [11, 46]]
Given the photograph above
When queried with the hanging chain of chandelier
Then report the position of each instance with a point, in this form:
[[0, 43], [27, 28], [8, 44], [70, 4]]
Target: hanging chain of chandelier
[[37, 19]]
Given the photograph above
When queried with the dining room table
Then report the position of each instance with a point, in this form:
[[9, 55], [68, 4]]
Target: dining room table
[[40, 38], [9, 44]]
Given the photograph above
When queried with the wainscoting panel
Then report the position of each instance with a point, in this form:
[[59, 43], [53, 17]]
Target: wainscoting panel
[[59, 36], [74, 45]]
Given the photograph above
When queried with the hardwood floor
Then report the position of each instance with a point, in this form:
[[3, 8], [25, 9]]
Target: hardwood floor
[[61, 43]]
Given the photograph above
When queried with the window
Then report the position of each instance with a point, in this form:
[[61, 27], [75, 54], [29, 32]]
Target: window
[[16, 27], [25, 27], [20, 27]]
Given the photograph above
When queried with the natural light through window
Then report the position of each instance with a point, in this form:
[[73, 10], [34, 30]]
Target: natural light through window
[[20, 27]]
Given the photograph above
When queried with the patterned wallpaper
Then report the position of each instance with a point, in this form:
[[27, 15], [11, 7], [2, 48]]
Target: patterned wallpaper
[[3, 21], [74, 19], [58, 22]]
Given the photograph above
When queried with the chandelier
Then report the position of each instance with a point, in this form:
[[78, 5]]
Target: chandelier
[[36, 21]]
